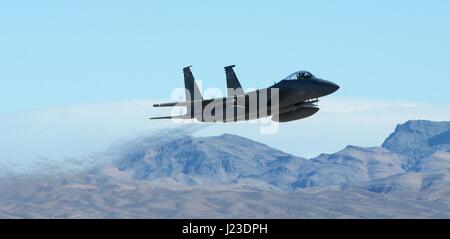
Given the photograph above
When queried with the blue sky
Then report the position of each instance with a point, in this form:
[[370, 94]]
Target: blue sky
[[78, 76], [56, 53]]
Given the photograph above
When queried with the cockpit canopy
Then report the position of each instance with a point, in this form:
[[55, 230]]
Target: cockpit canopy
[[300, 75]]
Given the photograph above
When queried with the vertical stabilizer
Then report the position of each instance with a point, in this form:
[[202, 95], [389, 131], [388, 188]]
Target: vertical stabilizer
[[233, 85], [191, 88]]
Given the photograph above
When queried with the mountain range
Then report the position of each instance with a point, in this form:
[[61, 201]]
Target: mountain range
[[416, 146], [177, 175]]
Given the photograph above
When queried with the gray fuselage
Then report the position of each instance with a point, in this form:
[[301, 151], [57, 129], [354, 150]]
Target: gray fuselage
[[286, 100]]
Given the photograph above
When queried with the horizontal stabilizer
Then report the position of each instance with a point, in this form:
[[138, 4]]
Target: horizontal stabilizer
[[170, 104], [172, 117], [182, 103]]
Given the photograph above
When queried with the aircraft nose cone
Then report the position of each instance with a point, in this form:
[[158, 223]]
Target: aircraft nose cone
[[329, 87], [333, 87]]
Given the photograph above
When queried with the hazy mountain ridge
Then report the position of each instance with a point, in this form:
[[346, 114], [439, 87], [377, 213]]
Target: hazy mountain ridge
[[416, 140], [228, 159], [179, 176], [351, 165], [221, 159], [97, 198]]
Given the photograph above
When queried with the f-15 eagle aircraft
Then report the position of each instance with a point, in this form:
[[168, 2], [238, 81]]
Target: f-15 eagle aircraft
[[292, 98]]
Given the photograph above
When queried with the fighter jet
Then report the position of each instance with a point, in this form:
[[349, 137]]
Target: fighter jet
[[290, 99]]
